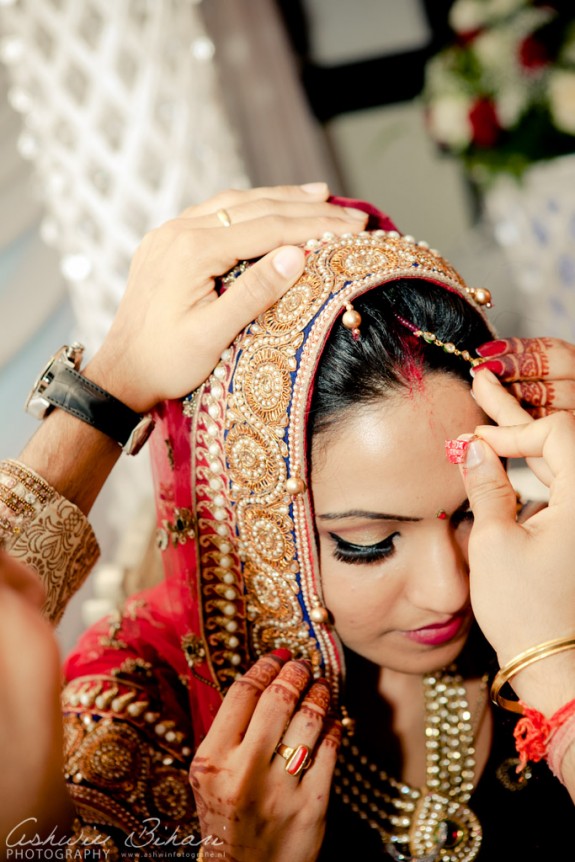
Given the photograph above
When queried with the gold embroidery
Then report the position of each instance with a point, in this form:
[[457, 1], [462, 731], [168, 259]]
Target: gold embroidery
[[47, 533], [251, 461], [111, 640], [194, 649], [179, 530], [268, 532], [267, 388], [111, 757], [125, 764], [171, 794]]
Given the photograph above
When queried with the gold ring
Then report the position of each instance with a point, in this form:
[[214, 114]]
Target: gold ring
[[224, 217], [297, 758]]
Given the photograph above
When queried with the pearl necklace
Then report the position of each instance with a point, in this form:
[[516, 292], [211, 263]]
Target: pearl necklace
[[434, 823]]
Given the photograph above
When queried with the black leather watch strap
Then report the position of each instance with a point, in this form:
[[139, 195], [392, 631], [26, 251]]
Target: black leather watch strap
[[84, 399]]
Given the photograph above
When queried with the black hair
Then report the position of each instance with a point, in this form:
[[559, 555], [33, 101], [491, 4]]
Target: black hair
[[387, 356]]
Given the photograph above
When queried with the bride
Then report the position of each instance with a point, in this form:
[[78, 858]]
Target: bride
[[311, 679]]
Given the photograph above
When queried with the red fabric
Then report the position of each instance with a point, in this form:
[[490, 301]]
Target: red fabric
[[378, 220]]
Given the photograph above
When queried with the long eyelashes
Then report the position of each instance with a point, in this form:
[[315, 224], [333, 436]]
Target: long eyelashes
[[462, 517], [347, 552]]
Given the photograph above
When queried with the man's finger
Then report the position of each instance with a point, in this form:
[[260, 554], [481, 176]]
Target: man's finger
[[233, 197], [255, 291]]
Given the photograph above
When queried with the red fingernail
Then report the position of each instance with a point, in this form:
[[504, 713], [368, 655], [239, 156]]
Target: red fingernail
[[491, 348], [283, 654], [455, 451], [494, 365]]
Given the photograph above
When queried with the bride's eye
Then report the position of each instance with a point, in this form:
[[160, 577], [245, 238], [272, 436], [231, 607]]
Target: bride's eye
[[348, 552]]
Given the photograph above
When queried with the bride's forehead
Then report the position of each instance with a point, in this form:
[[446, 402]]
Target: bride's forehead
[[426, 404], [405, 431]]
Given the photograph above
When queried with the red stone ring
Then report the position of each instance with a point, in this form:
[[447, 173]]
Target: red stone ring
[[297, 759]]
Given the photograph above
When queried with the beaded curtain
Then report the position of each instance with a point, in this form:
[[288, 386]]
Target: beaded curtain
[[123, 122]]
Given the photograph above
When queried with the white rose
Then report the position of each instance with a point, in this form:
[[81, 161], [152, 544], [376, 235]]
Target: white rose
[[448, 121], [512, 101], [465, 16], [496, 49], [562, 100], [499, 8], [439, 75]]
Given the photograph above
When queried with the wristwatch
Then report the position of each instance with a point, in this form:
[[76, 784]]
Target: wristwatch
[[61, 385]]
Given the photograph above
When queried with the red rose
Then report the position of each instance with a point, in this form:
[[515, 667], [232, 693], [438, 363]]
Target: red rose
[[532, 53], [484, 123], [465, 39]]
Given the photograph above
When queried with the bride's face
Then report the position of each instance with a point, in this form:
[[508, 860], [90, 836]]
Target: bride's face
[[394, 574]]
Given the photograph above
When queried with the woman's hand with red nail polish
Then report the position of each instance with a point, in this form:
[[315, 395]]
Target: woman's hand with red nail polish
[[505, 410], [521, 573], [538, 372], [258, 803]]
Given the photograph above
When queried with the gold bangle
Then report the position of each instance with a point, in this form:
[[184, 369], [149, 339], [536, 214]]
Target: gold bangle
[[520, 662]]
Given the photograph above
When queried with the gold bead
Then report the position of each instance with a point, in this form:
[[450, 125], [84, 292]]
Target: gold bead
[[319, 615], [349, 724], [481, 295], [351, 319], [295, 485]]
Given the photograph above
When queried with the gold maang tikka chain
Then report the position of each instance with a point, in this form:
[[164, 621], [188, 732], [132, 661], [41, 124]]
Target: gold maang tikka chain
[[434, 823]]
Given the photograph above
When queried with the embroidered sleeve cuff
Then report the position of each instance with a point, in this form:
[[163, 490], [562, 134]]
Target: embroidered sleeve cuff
[[44, 530]]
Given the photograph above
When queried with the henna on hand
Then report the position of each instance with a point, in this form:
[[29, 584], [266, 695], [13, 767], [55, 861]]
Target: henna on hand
[[522, 366], [262, 673], [534, 394], [514, 345], [316, 702], [291, 682]]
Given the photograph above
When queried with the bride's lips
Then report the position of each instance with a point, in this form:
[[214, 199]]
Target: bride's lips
[[438, 633]]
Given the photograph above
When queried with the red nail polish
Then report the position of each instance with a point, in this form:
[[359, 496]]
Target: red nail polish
[[494, 365], [491, 348], [283, 654], [455, 451]]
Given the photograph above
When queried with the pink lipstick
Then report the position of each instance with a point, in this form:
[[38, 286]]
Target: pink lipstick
[[439, 633]]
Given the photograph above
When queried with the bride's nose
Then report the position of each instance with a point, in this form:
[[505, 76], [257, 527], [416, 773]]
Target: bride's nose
[[440, 582]]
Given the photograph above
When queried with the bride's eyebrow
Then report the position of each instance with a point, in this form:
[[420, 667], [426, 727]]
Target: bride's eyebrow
[[378, 516], [363, 513]]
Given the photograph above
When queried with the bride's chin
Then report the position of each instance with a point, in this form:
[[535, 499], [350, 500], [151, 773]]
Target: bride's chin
[[425, 660]]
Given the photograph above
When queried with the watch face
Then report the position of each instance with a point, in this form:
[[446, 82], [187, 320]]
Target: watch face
[[37, 405]]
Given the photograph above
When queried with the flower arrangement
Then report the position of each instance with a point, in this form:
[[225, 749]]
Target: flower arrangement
[[502, 95]]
